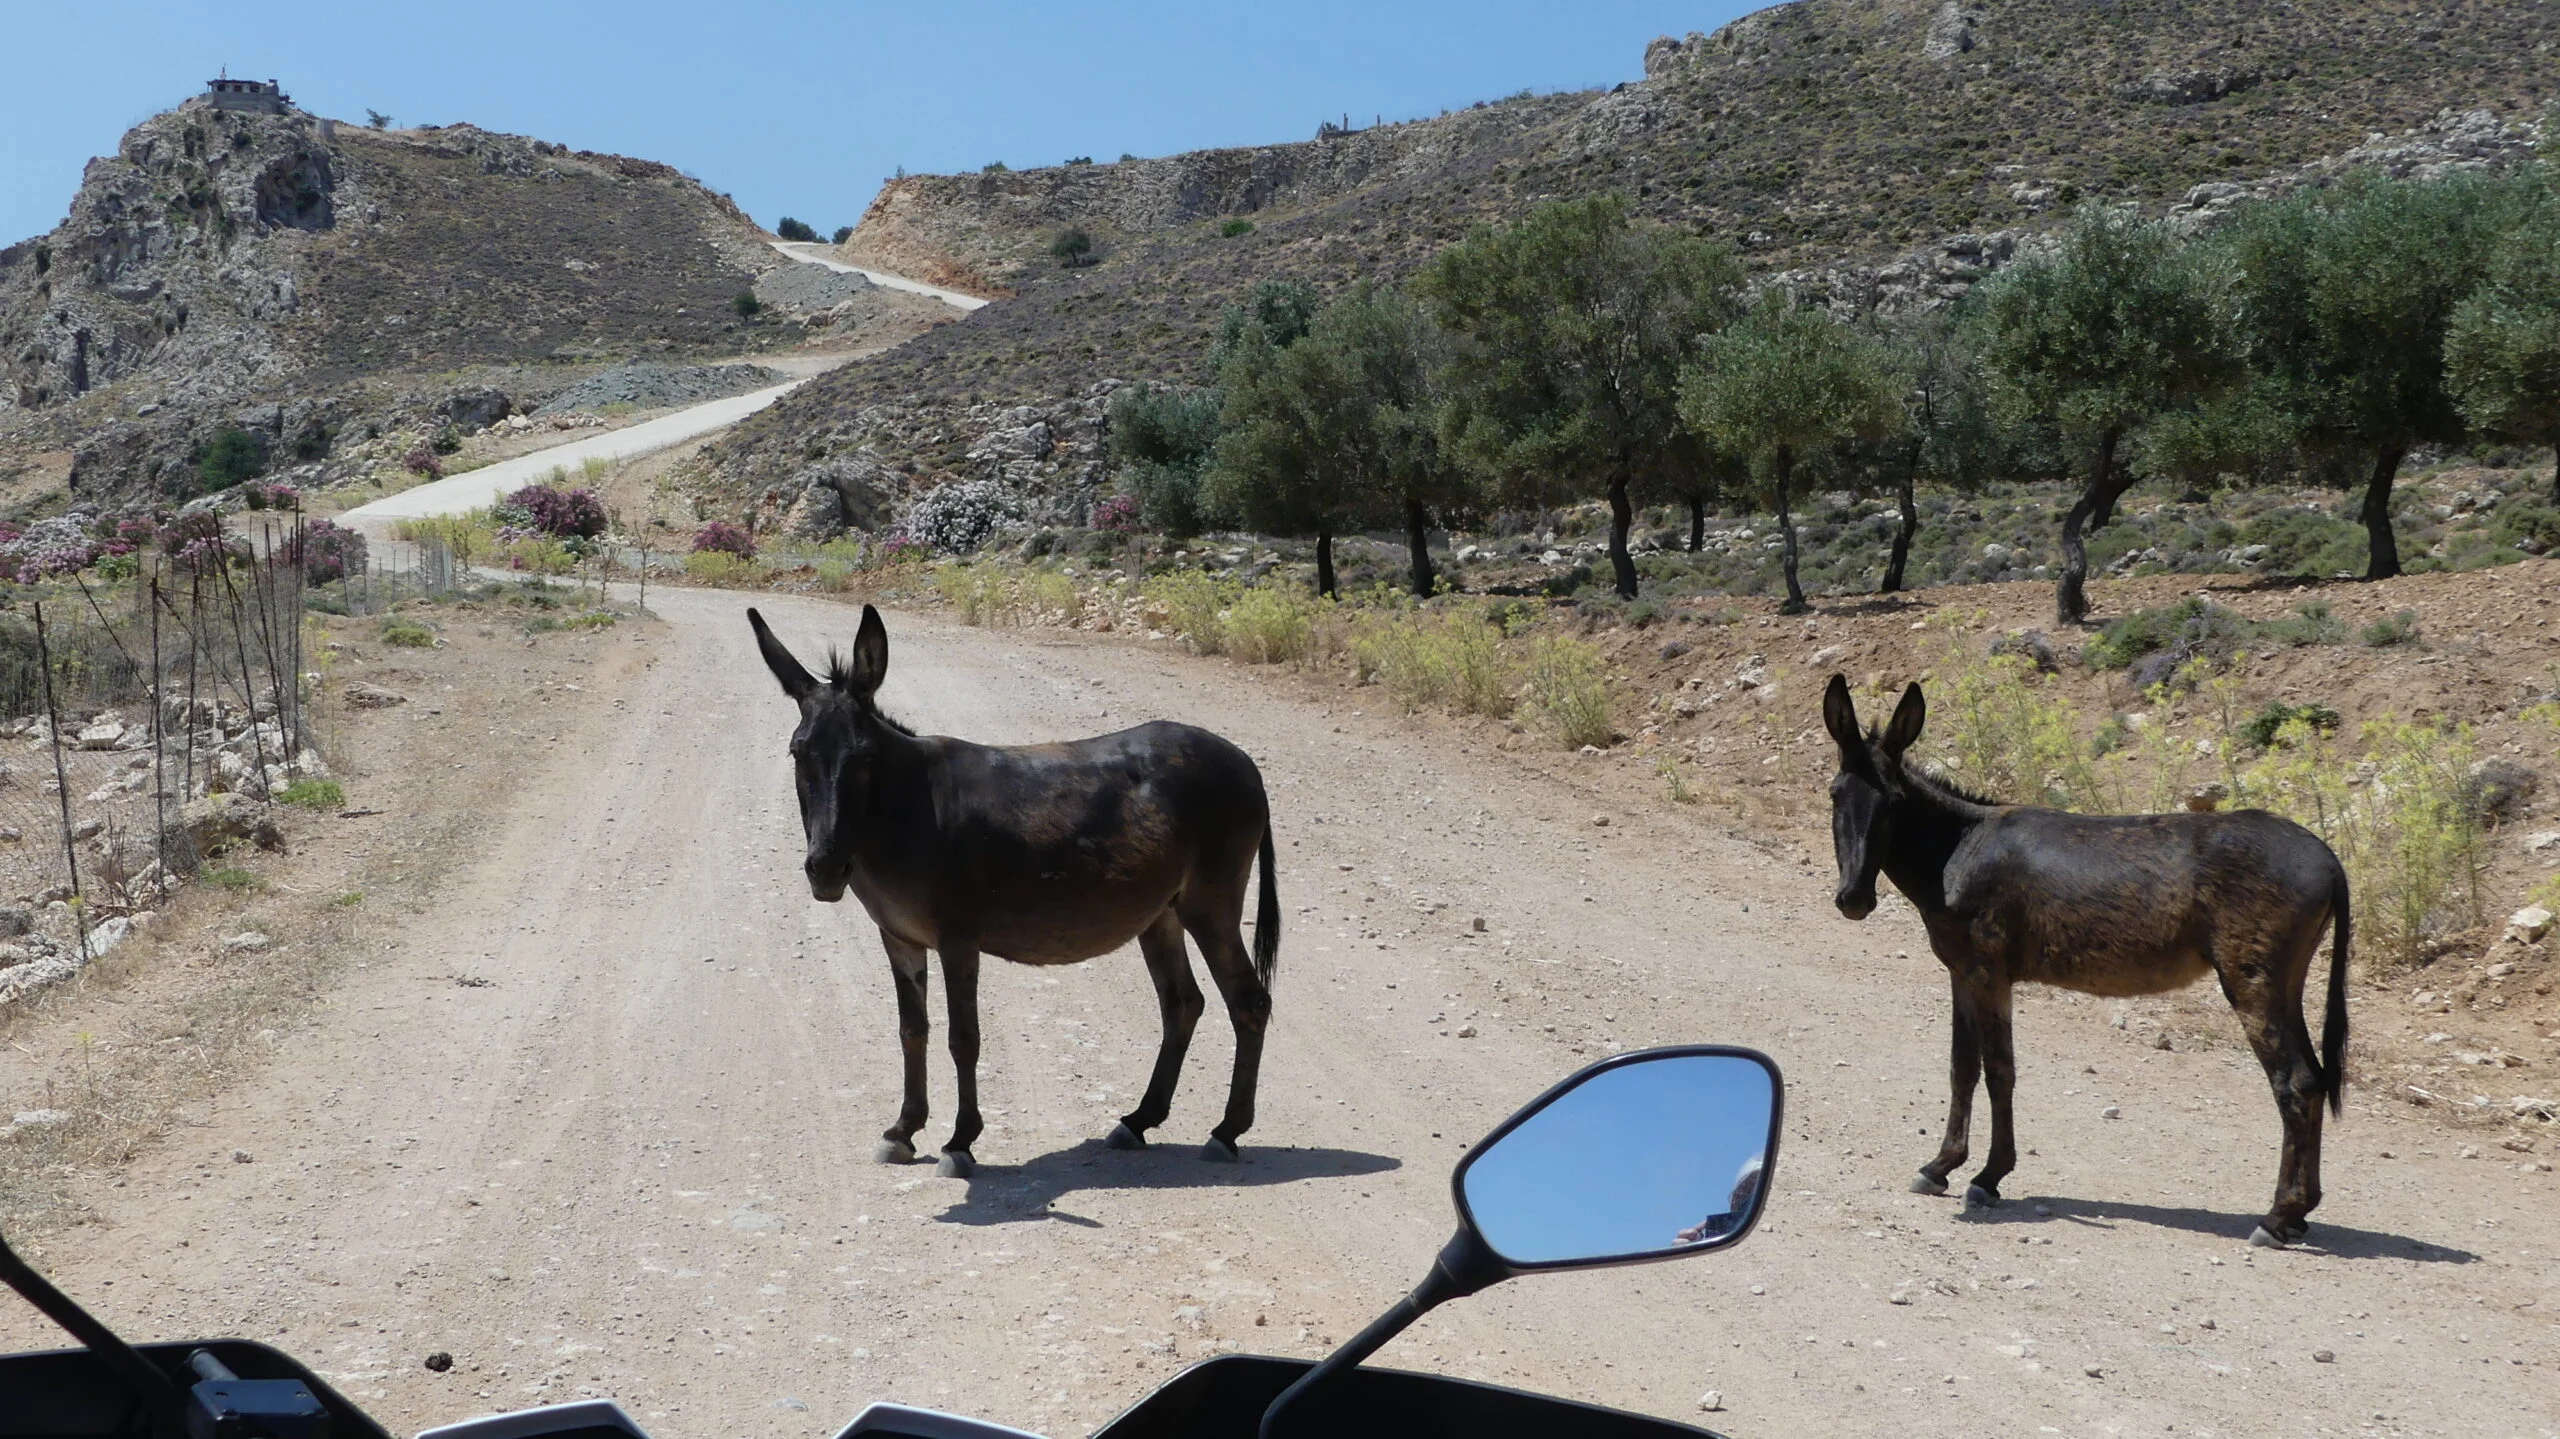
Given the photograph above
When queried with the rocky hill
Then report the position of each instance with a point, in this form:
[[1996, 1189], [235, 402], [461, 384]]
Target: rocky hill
[[221, 258], [1867, 142]]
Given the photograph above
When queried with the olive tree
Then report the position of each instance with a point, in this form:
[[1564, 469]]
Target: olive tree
[[1949, 438], [2502, 349], [2350, 293], [1567, 333], [1336, 429], [2117, 325], [1784, 384]]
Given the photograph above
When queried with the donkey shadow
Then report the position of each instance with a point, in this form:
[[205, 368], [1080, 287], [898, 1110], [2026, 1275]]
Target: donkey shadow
[[2338, 1240], [1030, 1191]]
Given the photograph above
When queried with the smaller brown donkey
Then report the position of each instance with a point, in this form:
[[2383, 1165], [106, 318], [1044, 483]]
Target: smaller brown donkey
[[2104, 904], [1040, 854]]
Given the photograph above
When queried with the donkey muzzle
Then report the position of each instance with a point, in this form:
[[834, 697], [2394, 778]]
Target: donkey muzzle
[[1856, 904], [826, 881]]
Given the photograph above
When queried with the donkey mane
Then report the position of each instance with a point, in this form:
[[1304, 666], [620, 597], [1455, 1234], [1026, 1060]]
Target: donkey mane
[[1930, 777], [840, 675]]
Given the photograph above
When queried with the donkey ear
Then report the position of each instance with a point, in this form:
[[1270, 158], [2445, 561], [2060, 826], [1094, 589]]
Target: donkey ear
[[1840, 715], [797, 682], [1908, 717], [870, 655]]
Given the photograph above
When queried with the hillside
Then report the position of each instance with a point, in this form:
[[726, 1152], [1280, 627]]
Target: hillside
[[1887, 136], [222, 257]]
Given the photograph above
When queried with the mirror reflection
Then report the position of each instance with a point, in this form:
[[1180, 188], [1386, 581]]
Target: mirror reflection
[[1649, 1157]]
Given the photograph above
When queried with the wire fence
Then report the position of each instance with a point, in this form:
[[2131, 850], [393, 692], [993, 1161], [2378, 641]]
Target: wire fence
[[145, 725]]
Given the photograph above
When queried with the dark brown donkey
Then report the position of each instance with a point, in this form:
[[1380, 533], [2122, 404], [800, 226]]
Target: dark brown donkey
[[2104, 904], [1041, 854]]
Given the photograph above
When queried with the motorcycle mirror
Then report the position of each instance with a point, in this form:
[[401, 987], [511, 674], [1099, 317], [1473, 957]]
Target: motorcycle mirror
[[1649, 1156], [1657, 1154]]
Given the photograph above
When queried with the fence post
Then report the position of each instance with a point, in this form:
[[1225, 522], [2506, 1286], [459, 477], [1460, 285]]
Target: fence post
[[61, 782], [159, 747]]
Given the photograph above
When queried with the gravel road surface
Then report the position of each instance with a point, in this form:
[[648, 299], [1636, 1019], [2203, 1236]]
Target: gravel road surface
[[601, 1123]]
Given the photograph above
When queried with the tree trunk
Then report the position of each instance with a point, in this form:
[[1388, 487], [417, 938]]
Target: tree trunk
[[1795, 604], [2555, 474], [1324, 560], [2382, 547], [2071, 601], [1910, 526], [1622, 518], [1698, 522], [1417, 540]]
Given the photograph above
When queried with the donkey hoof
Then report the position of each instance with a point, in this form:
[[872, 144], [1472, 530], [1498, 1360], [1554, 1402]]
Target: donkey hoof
[[1123, 1137], [1218, 1151], [1977, 1197], [2259, 1238], [1923, 1184], [894, 1151], [956, 1164]]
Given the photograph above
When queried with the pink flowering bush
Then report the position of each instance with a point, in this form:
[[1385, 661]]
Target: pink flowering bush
[[326, 551], [725, 538], [1118, 514], [562, 514]]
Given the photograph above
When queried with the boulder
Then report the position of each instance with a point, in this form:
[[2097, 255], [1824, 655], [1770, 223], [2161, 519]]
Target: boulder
[[362, 696], [2031, 646], [817, 515], [2499, 789], [475, 409], [105, 734], [217, 822]]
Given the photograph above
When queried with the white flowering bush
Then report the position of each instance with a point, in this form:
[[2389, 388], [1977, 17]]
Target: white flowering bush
[[957, 518]]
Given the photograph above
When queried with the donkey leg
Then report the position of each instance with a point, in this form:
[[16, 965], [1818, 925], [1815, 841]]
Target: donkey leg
[[1964, 1070], [960, 990], [906, 970], [1221, 941], [2271, 1014], [1178, 997], [1999, 1076]]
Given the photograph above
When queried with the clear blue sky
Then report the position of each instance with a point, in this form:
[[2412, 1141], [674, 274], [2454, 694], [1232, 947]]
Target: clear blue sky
[[802, 108]]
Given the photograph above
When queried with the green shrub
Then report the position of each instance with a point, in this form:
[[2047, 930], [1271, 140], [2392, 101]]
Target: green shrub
[[1451, 658], [2007, 731], [315, 794], [1272, 624], [406, 633], [1194, 603], [2266, 728], [718, 567], [1071, 248], [1235, 228], [236, 880], [746, 305], [349, 900], [234, 455], [2200, 629], [1566, 697], [2400, 627], [2399, 816], [797, 231]]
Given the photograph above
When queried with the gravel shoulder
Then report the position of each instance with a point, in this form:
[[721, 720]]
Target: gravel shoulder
[[598, 1120]]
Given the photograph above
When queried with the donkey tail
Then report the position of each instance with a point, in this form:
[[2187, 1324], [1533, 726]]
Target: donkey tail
[[2333, 1030], [1266, 917]]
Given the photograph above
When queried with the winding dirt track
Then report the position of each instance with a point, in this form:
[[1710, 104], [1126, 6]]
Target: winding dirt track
[[636, 1161]]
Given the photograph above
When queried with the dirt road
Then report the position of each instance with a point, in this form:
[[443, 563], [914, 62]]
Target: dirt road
[[602, 1124]]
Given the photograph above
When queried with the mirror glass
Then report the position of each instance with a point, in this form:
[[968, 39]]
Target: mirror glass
[[1655, 1156]]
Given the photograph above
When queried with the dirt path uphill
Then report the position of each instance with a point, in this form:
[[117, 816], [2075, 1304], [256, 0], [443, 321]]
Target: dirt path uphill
[[602, 1124]]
